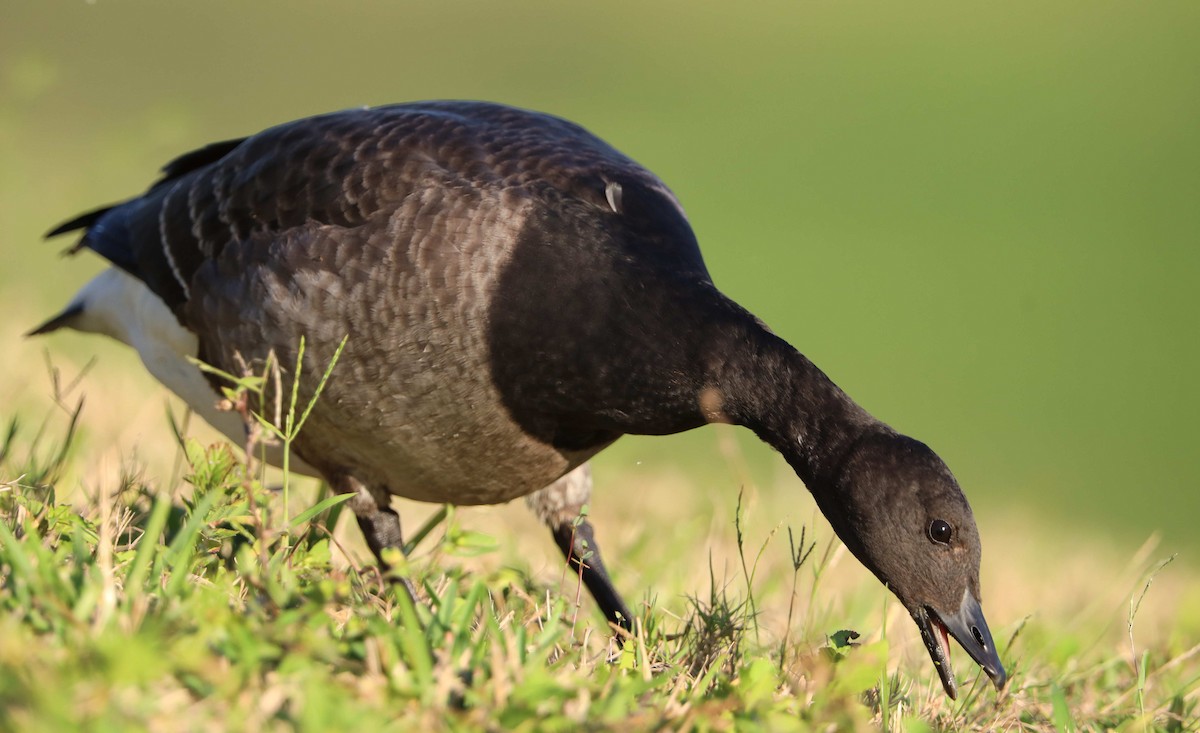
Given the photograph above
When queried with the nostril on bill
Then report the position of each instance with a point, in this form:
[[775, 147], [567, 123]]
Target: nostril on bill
[[978, 636]]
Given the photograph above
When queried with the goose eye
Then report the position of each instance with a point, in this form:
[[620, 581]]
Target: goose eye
[[940, 531]]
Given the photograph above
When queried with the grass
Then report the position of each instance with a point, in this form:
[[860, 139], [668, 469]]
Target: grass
[[983, 180], [198, 603]]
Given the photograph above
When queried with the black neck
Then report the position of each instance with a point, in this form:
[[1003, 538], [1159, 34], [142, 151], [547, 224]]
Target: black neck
[[582, 355], [767, 386]]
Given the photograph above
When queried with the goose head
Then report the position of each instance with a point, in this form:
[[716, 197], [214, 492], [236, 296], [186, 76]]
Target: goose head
[[901, 512]]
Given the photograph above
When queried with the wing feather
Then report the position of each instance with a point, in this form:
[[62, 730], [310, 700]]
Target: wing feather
[[344, 169]]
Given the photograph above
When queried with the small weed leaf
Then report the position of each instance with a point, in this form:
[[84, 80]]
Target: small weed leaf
[[840, 643]]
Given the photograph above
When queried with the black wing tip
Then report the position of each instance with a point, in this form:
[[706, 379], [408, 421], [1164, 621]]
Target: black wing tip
[[60, 321], [181, 165], [83, 221]]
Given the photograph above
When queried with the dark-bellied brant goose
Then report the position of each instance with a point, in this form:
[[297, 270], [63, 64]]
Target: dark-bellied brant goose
[[515, 295]]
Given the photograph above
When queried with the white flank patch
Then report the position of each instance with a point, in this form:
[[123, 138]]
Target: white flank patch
[[120, 306]]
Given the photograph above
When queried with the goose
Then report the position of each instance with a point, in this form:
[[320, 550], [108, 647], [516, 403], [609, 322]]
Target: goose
[[513, 295]]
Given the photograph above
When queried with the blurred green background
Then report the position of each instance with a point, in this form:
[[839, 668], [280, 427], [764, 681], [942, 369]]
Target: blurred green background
[[982, 221]]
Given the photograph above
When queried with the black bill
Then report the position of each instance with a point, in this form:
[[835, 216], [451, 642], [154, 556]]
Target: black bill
[[970, 630]]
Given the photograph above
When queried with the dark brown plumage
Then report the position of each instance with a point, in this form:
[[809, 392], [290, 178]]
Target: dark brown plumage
[[515, 295]]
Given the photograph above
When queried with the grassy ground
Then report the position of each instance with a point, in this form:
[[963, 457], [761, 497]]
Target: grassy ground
[[980, 220], [169, 591]]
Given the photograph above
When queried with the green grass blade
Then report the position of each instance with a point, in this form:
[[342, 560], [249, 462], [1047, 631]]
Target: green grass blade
[[146, 547], [12, 550], [10, 435], [319, 507], [430, 524], [414, 643], [295, 396], [252, 382], [446, 605], [320, 385], [1060, 711], [182, 549]]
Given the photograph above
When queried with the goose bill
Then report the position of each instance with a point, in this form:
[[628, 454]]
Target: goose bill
[[969, 628]]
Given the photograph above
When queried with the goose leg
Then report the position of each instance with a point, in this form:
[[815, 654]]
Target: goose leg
[[380, 524], [558, 505]]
